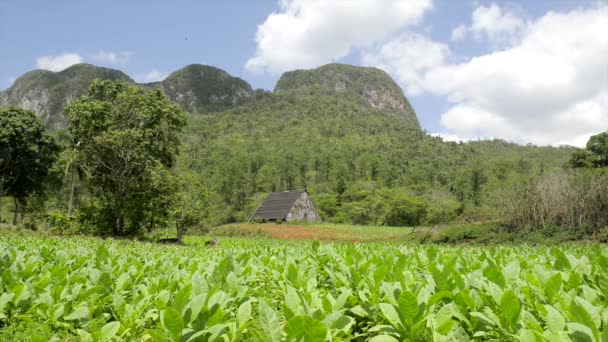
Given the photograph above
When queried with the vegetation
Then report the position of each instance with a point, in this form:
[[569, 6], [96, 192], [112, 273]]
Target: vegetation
[[27, 154], [126, 139], [248, 290]]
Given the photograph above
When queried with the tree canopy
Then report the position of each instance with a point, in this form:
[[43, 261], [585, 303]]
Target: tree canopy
[[126, 139], [27, 153]]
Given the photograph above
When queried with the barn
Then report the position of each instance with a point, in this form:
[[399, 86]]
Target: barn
[[293, 205]]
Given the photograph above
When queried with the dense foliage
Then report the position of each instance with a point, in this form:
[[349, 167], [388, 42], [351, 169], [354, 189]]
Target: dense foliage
[[360, 164], [27, 154], [248, 290], [126, 139]]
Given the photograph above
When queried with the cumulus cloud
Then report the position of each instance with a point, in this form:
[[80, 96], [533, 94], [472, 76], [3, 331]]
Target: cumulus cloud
[[58, 62], [152, 76], [407, 57], [111, 57], [550, 85], [497, 24], [308, 33]]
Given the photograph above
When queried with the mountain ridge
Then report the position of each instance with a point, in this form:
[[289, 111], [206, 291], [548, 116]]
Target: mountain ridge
[[206, 89]]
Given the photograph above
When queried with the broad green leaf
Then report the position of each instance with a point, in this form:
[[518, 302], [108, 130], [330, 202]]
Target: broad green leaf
[[581, 313], [172, 321], [305, 329], [494, 274], [408, 306], [555, 320], [391, 315], [510, 307], [269, 322], [109, 330], [244, 313], [553, 286]]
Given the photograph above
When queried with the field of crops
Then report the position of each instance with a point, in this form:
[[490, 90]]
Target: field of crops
[[258, 289]]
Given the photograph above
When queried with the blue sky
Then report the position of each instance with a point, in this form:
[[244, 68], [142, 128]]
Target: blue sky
[[454, 80]]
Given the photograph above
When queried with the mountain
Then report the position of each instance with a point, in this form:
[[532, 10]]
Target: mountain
[[46, 93], [370, 86], [197, 88], [201, 88]]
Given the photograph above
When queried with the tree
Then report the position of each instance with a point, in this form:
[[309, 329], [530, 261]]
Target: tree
[[27, 153], [189, 204], [126, 139], [595, 154]]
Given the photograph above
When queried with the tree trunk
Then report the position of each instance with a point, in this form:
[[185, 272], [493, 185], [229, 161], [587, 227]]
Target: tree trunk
[[180, 231], [16, 210], [73, 189]]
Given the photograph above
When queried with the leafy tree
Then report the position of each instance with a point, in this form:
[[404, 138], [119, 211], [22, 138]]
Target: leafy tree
[[126, 139], [189, 204], [27, 153], [595, 154]]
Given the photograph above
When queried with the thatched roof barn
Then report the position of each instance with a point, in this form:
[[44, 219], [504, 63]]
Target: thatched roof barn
[[294, 205]]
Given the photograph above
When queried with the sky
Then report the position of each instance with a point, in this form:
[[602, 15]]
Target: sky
[[523, 71]]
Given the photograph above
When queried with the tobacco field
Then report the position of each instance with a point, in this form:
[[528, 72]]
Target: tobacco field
[[88, 289]]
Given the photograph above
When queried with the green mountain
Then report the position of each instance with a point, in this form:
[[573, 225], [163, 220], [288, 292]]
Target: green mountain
[[369, 86], [200, 88], [46, 93], [197, 88]]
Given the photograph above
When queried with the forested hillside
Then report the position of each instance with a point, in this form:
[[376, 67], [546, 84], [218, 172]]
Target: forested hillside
[[345, 133]]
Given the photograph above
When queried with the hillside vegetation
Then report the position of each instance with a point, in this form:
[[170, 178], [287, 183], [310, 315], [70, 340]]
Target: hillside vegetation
[[347, 134]]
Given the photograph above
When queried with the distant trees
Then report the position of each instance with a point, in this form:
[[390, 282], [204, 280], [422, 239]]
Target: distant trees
[[27, 154], [126, 139]]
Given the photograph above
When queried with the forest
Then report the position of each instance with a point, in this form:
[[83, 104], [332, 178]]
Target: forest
[[130, 161]]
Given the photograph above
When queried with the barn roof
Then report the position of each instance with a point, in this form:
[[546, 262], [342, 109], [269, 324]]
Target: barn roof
[[277, 205]]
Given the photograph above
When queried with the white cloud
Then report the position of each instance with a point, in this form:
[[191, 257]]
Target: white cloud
[[59, 62], [550, 88], [498, 25], [459, 32], [495, 23], [308, 33], [110, 57], [407, 57], [152, 76]]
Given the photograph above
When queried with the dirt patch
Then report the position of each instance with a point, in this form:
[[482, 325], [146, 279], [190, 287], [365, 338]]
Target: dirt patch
[[296, 232]]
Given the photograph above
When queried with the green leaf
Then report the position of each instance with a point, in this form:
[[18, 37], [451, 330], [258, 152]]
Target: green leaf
[[561, 261], [408, 306], [553, 286], [555, 320], [495, 275], [81, 312], [580, 313], [511, 307], [244, 313], [304, 328], [109, 330], [527, 336], [269, 322], [391, 315], [172, 321]]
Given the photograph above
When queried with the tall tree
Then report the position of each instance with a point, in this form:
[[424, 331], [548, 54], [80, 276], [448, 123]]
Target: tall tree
[[595, 154], [126, 139], [27, 153]]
